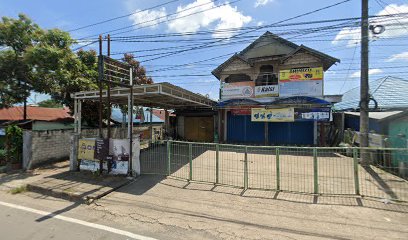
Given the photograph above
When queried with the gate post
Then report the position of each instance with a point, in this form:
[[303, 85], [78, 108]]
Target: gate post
[[246, 168], [355, 167], [190, 157], [168, 158], [277, 169], [217, 163], [315, 172]]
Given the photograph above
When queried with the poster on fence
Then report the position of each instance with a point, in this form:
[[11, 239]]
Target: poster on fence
[[86, 148]]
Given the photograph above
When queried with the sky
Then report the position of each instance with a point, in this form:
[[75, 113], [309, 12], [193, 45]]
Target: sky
[[185, 18]]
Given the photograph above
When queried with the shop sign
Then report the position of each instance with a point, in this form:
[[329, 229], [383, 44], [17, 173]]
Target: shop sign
[[313, 114], [301, 74], [303, 88], [86, 149], [237, 90], [241, 111], [267, 91], [272, 115]]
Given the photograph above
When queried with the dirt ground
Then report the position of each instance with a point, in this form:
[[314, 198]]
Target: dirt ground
[[168, 208], [205, 211], [296, 170]]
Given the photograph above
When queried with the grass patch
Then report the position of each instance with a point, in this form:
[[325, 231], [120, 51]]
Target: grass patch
[[18, 190]]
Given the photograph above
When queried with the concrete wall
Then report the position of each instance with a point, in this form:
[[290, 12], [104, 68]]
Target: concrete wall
[[41, 147], [45, 146]]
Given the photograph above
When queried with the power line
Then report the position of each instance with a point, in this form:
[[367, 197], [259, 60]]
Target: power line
[[123, 16], [166, 16]]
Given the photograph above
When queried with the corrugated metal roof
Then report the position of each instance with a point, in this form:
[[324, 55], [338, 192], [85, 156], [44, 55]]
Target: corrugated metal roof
[[389, 92], [377, 115], [34, 113]]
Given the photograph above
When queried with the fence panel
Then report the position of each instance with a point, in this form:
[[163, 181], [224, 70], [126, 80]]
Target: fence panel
[[204, 162], [335, 171], [383, 175], [262, 168], [153, 157], [231, 165], [296, 169], [179, 159]]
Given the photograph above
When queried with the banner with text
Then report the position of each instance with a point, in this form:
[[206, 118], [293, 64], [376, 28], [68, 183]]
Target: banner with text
[[272, 115], [237, 90], [267, 91], [301, 74], [313, 114]]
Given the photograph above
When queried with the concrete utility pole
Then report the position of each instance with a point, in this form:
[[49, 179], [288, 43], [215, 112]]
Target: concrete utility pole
[[364, 96]]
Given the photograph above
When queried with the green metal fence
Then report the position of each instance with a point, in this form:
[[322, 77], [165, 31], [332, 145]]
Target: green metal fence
[[316, 170]]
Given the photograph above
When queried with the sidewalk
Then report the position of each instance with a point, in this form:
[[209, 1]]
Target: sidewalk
[[56, 180]]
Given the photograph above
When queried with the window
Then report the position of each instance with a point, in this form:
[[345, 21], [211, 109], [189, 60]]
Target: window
[[237, 78], [266, 76]]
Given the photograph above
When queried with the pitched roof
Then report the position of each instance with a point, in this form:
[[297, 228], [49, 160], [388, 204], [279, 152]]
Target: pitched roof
[[34, 113], [389, 93], [327, 60]]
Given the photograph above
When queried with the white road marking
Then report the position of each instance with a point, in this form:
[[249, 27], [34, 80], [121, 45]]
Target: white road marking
[[77, 221]]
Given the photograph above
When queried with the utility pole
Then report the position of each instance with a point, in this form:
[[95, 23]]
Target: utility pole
[[109, 94], [364, 95], [100, 76]]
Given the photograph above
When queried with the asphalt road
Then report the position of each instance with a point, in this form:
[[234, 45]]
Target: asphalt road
[[21, 224]]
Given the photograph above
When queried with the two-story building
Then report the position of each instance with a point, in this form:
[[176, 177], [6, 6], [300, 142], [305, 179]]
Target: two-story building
[[272, 93]]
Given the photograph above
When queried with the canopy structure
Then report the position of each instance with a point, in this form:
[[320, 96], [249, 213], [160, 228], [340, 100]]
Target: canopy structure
[[159, 95]]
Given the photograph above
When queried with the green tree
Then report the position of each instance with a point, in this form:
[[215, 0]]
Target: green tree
[[16, 36], [34, 59], [50, 103]]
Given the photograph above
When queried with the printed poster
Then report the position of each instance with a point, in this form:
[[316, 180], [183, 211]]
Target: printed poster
[[86, 149]]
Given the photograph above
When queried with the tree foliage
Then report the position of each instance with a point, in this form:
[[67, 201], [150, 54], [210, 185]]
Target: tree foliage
[[50, 103], [35, 59]]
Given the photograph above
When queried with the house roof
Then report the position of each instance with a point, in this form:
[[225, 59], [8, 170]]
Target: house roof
[[390, 93], [327, 60], [378, 115], [34, 113]]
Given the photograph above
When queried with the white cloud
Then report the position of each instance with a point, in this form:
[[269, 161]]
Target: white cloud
[[400, 56], [223, 17], [395, 26], [148, 18], [260, 23], [262, 2], [370, 72]]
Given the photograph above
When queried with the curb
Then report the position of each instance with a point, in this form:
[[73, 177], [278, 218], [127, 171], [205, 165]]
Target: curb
[[73, 196]]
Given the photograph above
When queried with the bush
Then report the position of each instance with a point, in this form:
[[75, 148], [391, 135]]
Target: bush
[[14, 144], [3, 157]]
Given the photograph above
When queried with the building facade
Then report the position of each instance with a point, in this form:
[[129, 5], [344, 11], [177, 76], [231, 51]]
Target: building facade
[[272, 93]]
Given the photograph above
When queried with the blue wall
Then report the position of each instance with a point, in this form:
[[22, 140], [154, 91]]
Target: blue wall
[[241, 129]]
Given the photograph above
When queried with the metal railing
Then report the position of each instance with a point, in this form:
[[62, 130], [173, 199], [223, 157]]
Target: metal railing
[[315, 170]]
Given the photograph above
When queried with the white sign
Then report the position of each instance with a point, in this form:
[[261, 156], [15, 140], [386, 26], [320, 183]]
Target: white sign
[[313, 88], [374, 139], [267, 91], [237, 90]]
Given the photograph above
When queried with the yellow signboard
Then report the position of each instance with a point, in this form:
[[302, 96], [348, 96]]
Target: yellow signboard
[[272, 115], [301, 74], [86, 149]]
